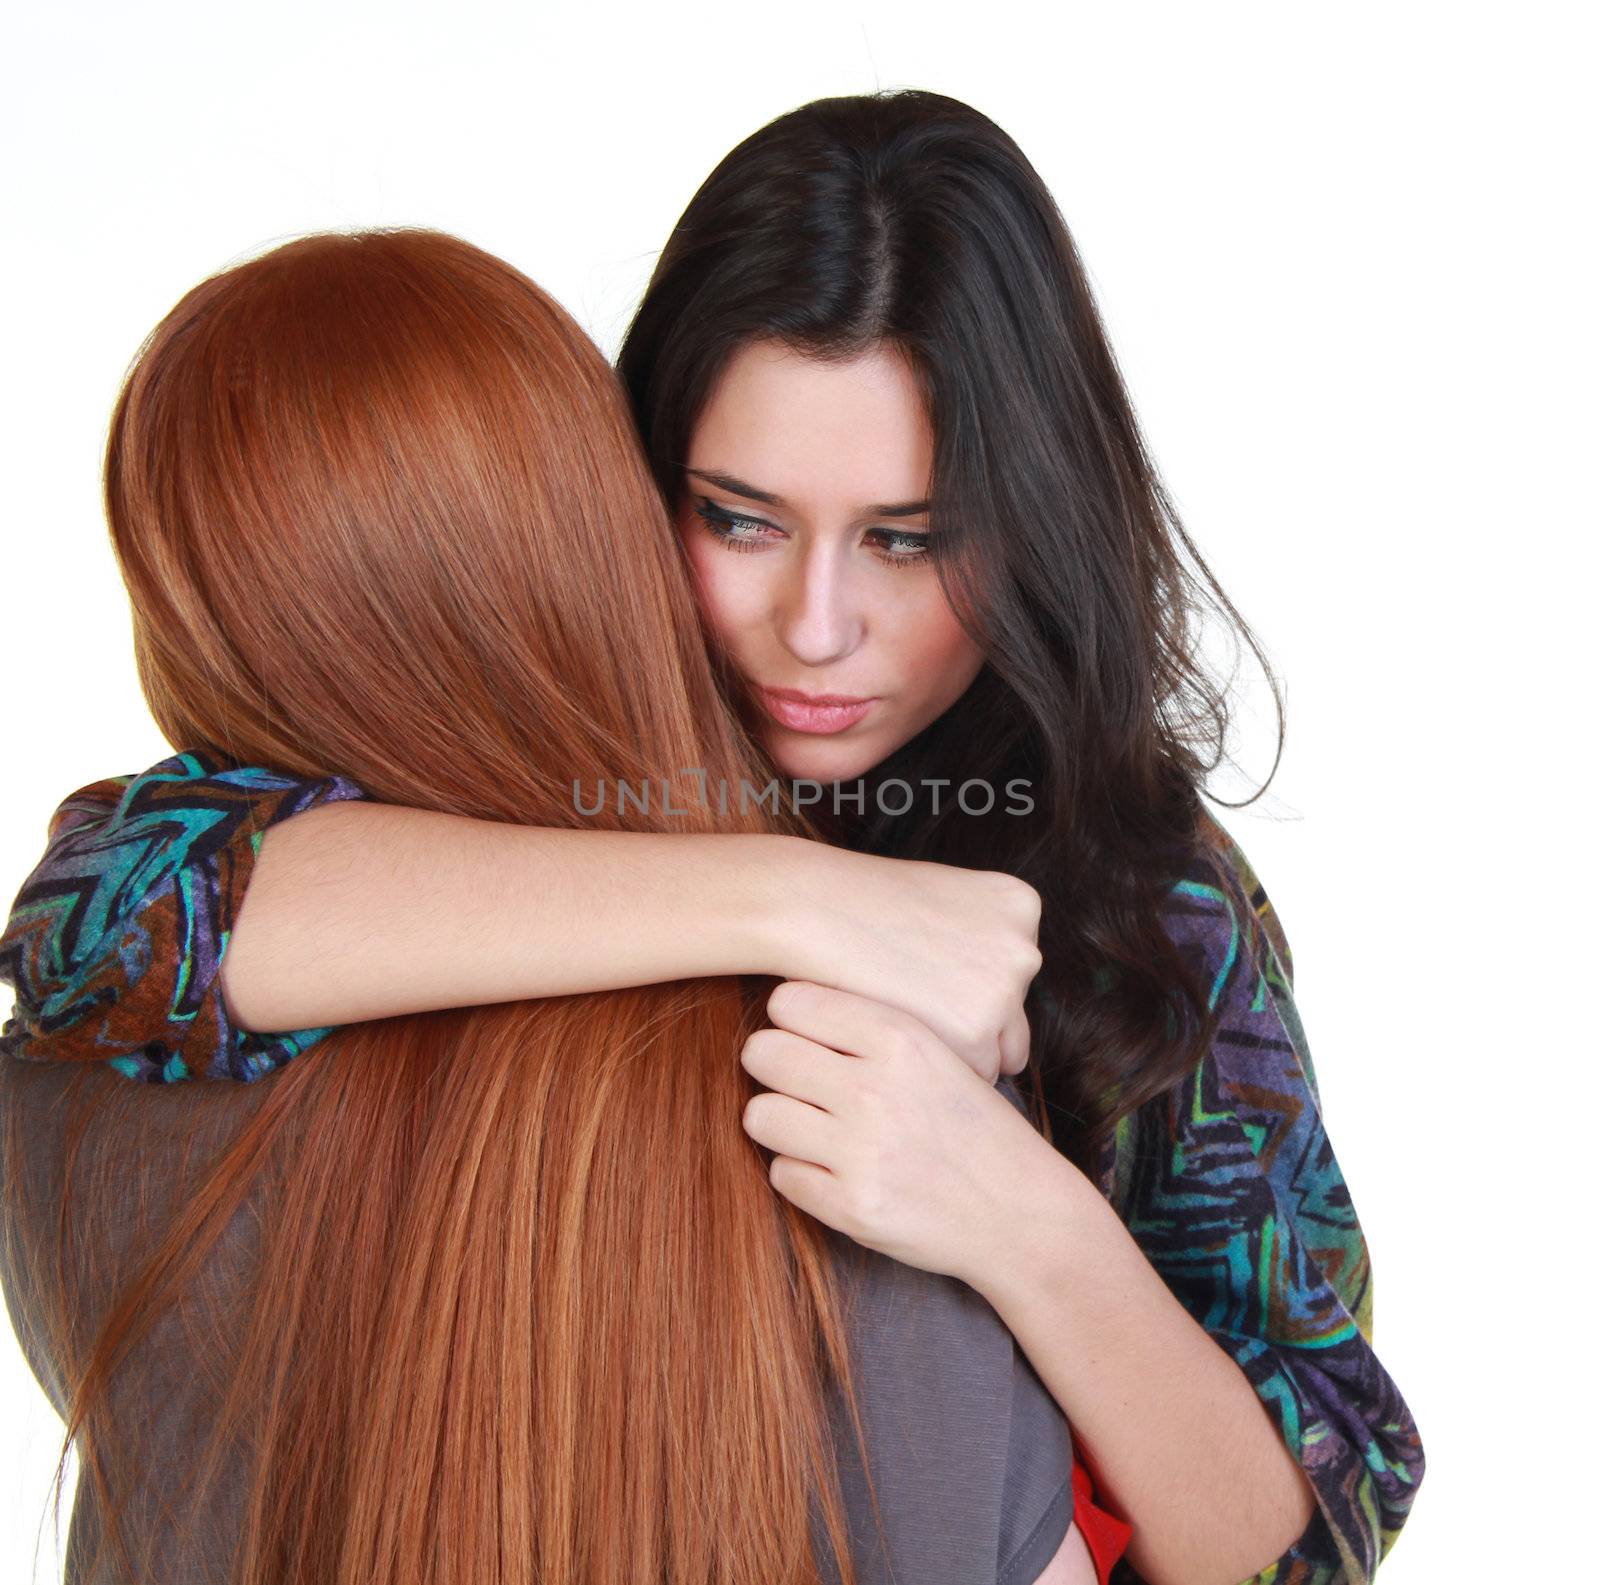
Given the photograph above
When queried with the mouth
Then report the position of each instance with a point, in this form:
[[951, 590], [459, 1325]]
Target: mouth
[[816, 713]]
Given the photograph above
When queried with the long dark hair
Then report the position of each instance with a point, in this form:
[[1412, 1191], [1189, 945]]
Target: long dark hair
[[908, 218]]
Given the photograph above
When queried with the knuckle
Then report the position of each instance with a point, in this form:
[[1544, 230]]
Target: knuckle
[[900, 1044], [1029, 903], [791, 996], [863, 1202]]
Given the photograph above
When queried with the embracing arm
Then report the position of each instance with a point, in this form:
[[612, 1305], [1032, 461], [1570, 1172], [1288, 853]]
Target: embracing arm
[[196, 918], [200, 918]]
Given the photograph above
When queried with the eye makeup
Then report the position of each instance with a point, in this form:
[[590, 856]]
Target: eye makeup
[[731, 530]]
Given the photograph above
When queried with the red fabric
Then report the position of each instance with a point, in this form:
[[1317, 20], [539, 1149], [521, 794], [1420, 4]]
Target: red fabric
[[1105, 1534]]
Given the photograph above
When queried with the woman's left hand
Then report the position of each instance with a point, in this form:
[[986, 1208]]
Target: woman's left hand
[[885, 1134]]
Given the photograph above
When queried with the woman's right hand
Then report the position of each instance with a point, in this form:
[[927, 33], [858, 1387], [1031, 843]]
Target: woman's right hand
[[957, 948]]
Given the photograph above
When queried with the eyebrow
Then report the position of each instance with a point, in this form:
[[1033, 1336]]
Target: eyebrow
[[726, 481]]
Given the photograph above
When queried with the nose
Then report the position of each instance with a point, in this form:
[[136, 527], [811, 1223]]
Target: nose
[[819, 612]]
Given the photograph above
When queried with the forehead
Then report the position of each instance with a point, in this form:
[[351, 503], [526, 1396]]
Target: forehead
[[821, 434]]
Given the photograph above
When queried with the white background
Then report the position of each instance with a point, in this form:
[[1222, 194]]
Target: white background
[[1346, 256]]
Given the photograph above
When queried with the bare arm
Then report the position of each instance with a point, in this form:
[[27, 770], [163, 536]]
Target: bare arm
[[206, 918], [359, 910], [365, 910]]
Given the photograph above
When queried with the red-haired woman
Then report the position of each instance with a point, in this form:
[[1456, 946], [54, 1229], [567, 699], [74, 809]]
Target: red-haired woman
[[499, 1293]]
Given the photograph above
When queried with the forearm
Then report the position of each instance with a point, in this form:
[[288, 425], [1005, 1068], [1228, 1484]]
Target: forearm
[[366, 910], [1173, 1430]]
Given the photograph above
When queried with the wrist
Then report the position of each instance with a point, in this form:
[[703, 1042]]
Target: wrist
[[1046, 1206], [752, 905], [774, 912]]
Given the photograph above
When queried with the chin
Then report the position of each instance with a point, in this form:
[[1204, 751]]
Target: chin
[[823, 759]]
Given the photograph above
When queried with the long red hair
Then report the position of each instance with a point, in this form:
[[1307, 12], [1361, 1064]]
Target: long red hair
[[526, 1306]]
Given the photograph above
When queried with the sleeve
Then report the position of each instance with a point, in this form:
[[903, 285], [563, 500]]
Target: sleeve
[[115, 942], [1232, 1190]]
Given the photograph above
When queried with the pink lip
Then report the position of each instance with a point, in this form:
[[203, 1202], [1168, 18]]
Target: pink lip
[[820, 713]]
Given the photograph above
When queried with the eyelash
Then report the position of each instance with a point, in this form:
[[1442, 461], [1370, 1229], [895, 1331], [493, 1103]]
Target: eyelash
[[721, 523]]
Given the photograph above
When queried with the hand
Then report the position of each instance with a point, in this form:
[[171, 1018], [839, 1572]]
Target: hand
[[883, 1133], [956, 949]]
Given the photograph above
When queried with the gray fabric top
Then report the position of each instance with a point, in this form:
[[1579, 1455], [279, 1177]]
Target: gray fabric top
[[163, 1395], [971, 1456]]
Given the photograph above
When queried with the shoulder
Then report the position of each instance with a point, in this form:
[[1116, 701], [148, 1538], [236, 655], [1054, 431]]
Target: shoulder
[[1222, 919], [1222, 882]]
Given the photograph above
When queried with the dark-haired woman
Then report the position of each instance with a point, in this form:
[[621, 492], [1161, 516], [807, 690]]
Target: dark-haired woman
[[873, 386]]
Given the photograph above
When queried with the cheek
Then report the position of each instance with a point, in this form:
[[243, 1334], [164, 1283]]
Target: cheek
[[712, 589], [728, 595], [936, 647]]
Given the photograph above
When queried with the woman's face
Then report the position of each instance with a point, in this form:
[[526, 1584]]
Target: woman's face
[[804, 517]]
